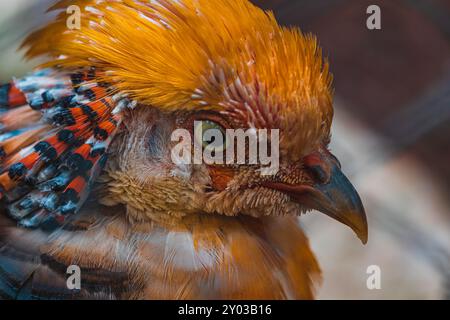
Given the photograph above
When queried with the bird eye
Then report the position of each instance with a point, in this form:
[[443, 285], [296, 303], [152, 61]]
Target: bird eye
[[210, 135]]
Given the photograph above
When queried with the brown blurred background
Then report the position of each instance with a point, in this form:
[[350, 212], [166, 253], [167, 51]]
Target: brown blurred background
[[391, 131]]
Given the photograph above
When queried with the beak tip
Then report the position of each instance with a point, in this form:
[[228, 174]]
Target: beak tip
[[361, 230], [364, 237], [359, 225]]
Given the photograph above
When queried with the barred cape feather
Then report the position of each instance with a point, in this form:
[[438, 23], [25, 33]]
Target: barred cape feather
[[55, 130]]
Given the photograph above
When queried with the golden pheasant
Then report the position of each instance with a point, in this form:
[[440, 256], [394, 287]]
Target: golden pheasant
[[87, 174]]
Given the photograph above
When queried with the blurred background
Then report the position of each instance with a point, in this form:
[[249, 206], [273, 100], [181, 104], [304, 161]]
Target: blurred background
[[391, 132]]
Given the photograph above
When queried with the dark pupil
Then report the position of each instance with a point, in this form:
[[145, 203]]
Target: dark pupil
[[207, 125]]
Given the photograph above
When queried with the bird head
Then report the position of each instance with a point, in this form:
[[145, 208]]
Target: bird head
[[229, 66]]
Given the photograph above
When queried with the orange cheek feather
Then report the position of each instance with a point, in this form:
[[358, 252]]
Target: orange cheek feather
[[220, 177]]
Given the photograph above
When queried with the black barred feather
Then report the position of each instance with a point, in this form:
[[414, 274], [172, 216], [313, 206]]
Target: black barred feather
[[55, 130]]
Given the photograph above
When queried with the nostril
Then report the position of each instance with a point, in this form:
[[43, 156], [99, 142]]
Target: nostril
[[317, 168], [318, 173]]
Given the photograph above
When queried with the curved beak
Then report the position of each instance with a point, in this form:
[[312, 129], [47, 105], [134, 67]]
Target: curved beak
[[339, 200], [336, 198]]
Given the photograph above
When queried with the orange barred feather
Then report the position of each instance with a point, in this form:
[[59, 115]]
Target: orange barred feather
[[53, 132]]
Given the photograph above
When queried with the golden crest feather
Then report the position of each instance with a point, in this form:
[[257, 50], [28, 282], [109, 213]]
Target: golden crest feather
[[163, 52], [226, 55]]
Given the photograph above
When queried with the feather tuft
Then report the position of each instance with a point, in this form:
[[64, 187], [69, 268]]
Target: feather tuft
[[55, 130]]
